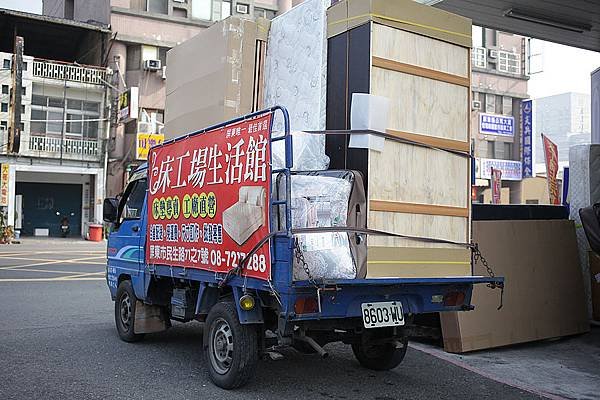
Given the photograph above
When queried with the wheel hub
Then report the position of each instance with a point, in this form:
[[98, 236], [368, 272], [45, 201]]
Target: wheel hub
[[125, 310], [221, 352]]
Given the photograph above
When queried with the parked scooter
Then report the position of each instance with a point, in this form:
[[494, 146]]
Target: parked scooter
[[64, 227]]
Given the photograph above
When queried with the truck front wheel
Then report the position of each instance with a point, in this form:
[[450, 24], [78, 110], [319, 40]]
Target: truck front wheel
[[231, 348], [380, 357], [125, 312]]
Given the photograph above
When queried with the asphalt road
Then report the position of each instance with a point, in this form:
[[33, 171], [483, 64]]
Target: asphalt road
[[58, 341]]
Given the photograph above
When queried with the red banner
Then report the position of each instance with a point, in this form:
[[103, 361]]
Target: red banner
[[551, 156], [208, 202], [496, 186]]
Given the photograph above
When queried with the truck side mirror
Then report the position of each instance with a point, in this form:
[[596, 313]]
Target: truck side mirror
[[109, 210]]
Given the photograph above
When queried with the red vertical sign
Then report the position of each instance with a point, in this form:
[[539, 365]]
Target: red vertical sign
[[496, 186], [551, 157], [208, 201]]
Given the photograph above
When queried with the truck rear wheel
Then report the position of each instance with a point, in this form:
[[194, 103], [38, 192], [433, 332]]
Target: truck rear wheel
[[125, 312], [231, 348], [380, 357]]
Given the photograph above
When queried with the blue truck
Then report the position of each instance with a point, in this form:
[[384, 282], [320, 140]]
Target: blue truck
[[246, 318]]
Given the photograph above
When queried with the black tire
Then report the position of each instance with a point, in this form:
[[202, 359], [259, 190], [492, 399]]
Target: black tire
[[380, 357], [125, 313], [231, 348]]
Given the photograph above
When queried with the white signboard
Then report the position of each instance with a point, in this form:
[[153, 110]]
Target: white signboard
[[511, 170]]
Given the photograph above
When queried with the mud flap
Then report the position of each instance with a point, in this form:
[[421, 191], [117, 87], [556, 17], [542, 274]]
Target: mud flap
[[148, 319]]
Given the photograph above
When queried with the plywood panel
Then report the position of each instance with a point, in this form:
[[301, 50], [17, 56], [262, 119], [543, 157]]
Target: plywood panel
[[415, 174], [407, 262], [410, 48], [430, 226], [422, 105]]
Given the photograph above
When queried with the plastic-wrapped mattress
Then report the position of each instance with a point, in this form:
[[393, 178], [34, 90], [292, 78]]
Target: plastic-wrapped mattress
[[327, 199]]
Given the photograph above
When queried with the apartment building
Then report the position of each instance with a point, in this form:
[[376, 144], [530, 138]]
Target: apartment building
[[499, 84], [143, 31], [54, 134]]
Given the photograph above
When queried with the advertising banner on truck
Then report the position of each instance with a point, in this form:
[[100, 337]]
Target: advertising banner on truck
[[208, 200]]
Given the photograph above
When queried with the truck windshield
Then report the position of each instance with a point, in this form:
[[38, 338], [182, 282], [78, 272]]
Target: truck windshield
[[133, 200]]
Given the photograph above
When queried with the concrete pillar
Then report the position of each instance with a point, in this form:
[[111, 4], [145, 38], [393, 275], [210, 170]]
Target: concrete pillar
[[596, 106]]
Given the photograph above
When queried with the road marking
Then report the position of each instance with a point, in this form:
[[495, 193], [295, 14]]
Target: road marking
[[53, 271], [61, 279], [443, 356], [49, 262], [28, 253]]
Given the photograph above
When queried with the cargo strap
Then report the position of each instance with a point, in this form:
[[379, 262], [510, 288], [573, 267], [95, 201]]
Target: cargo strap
[[476, 253]]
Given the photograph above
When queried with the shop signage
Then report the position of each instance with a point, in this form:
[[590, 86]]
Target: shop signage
[[527, 142], [208, 203], [128, 105], [511, 170], [551, 157], [496, 183], [145, 141], [491, 124], [4, 176]]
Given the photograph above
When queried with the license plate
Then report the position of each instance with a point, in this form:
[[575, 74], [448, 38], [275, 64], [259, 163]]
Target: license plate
[[387, 313]]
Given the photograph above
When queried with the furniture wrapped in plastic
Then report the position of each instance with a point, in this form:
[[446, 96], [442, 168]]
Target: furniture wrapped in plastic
[[327, 199], [296, 74], [309, 154]]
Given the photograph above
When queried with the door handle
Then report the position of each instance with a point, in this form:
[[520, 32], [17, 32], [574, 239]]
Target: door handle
[[135, 228]]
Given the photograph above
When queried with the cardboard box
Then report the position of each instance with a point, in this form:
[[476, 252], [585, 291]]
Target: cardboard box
[[595, 284], [215, 76], [407, 15], [544, 295]]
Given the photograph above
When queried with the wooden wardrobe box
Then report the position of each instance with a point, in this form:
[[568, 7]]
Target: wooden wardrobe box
[[419, 58]]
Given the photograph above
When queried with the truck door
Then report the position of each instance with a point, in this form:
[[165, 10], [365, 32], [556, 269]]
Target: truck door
[[126, 242]]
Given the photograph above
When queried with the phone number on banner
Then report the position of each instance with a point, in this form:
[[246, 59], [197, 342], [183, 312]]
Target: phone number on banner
[[205, 257]]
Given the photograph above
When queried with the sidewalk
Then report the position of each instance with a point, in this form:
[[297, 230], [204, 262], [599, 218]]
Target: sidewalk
[[562, 368], [54, 244]]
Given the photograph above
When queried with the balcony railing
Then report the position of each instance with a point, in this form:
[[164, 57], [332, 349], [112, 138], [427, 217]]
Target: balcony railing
[[70, 72], [72, 149]]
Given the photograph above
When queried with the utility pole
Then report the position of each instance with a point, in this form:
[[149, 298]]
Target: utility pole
[[14, 129]]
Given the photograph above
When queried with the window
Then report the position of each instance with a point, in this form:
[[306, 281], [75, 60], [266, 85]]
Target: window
[[6, 64], [225, 9], [508, 154], [509, 62], [507, 105], [490, 103], [22, 126], [149, 53], [4, 107], [478, 57], [69, 9], [22, 108], [133, 201], [202, 9], [491, 149], [3, 125], [158, 6], [179, 12], [4, 89], [23, 91], [24, 66], [498, 102], [162, 55], [134, 57]]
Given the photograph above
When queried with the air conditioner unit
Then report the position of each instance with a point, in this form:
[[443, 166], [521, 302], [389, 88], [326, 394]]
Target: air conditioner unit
[[476, 105], [493, 53], [242, 8], [163, 73], [152, 65]]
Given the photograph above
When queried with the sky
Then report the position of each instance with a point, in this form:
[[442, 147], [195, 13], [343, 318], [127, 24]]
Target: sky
[[563, 69], [33, 6]]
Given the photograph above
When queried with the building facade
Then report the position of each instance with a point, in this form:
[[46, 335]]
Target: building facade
[[143, 32], [566, 120], [55, 175], [499, 84]]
